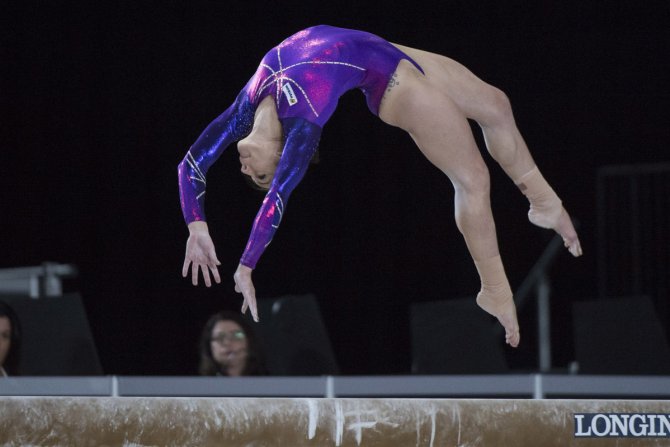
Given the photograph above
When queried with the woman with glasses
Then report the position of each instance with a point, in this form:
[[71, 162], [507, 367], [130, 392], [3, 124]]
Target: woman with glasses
[[229, 347], [10, 340]]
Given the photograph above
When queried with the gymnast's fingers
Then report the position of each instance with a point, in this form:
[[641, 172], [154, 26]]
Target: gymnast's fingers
[[205, 274], [194, 274], [215, 273], [184, 269]]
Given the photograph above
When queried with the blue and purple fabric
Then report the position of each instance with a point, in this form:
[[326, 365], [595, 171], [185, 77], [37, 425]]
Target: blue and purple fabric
[[305, 74]]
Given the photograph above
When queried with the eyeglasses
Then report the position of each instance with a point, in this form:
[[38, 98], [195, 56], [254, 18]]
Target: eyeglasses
[[221, 337]]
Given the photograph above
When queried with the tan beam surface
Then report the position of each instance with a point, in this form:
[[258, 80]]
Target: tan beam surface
[[146, 421]]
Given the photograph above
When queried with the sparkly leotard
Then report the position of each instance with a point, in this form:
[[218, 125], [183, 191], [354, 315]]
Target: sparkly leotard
[[306, 74]]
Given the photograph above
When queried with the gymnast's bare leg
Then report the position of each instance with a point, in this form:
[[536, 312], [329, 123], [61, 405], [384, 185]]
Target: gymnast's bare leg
[[491, 109], [441, 130]]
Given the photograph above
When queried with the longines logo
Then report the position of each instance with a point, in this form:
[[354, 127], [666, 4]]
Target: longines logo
[[622, 425]]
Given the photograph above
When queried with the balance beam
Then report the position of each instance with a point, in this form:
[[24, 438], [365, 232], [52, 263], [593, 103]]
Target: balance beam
[[230, 422]]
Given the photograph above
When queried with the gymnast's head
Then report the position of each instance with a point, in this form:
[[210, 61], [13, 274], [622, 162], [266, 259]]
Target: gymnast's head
[[261, 149]]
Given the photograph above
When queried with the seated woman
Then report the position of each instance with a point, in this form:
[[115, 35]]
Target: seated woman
[[10, 341], [277, 120], [229, 347]]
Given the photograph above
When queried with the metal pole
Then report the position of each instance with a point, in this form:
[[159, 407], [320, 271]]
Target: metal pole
[[543, 322]]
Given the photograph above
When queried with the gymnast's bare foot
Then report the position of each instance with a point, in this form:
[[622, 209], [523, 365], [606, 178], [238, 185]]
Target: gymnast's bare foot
[[506, 315], [567, 231], [546, 210]]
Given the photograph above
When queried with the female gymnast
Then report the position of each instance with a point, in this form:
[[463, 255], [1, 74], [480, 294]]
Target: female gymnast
[[277, 120]]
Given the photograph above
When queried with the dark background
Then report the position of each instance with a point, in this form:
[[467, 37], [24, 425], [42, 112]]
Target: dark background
[[100, 102]]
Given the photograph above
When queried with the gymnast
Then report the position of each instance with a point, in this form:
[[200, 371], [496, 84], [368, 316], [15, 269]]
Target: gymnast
[[277, 120]]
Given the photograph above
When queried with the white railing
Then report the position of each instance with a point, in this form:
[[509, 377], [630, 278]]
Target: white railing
[[529, 386], [36, 282]]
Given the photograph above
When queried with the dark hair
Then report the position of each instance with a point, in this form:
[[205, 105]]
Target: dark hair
[[255, 365], [11, 363]]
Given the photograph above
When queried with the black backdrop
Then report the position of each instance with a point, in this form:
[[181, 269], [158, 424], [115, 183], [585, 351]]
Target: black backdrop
[[100, 102]]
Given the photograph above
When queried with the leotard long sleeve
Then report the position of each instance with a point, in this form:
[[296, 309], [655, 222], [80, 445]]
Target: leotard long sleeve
[[232, 125], [306, 74]]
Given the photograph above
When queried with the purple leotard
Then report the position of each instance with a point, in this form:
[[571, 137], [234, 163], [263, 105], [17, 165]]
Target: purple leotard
[[305, 74]]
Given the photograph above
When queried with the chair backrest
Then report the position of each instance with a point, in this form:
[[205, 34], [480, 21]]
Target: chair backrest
[[294, 337], [454, 337], [56, 337], [619, 336]]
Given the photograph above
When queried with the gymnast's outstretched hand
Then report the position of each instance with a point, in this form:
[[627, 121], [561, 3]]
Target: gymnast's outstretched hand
[[201, 253], [245, 286]]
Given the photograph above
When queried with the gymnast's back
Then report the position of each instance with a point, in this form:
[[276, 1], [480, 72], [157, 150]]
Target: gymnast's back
[[310, 70]]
